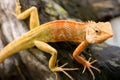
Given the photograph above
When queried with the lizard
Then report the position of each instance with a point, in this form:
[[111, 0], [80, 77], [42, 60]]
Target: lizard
[[85, 33]]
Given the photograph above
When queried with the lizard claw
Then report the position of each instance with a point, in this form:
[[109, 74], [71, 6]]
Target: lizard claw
[[89, 66], [61, 69]]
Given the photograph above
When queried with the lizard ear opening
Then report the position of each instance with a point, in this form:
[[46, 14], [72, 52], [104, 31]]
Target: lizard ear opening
[[90, 33]]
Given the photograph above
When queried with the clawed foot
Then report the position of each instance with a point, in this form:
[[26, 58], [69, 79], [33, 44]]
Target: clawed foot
[[89, 66], [61, 69]]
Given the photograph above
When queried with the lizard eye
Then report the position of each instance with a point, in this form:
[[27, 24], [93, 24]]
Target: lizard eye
[[97, 31]]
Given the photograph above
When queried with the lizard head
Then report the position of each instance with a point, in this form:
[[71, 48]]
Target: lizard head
[[98, 32]]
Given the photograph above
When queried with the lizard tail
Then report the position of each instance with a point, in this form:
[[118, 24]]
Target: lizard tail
[[14, 47]]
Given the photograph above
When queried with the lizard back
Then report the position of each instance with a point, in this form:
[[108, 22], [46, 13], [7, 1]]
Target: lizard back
[[65, 30]]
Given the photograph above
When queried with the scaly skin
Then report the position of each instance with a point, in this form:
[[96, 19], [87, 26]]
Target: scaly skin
[[55, 31], [45, 33]]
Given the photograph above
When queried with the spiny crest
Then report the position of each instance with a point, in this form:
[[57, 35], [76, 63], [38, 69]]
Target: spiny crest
[[90, 21]]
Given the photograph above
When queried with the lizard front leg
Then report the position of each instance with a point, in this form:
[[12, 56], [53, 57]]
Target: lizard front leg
[[86, 64], [53, 59]]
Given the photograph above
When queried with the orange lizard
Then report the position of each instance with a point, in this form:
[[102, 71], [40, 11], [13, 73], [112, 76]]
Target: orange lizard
[[59, 30]]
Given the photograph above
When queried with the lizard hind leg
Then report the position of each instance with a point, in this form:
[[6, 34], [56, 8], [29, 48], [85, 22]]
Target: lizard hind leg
[[32, 12], [18, 7], [53, 65], [61, 69]]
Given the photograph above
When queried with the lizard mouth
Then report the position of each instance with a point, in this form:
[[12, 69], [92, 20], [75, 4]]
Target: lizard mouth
[[101, 39]]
